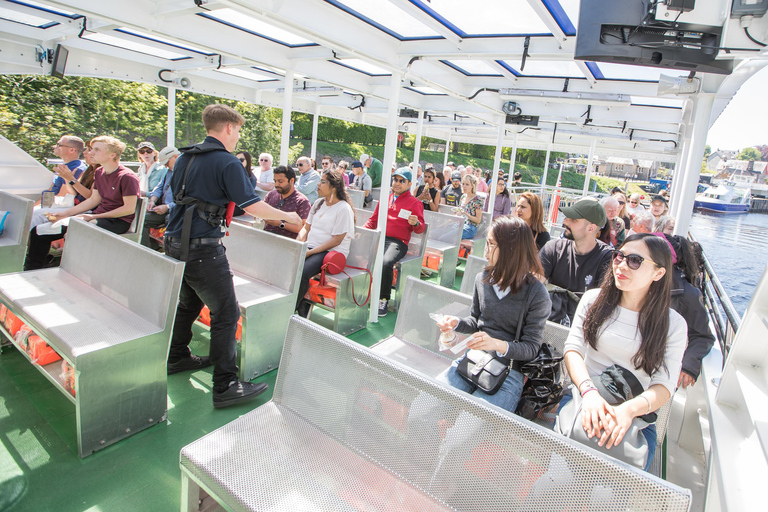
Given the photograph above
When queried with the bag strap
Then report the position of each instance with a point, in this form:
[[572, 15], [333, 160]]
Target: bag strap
[[370, 284], [521, 317]]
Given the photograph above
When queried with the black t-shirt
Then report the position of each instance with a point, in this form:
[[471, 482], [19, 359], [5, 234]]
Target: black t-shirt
[[451, 195], [574, 272], [541, 239], [432, 192], [215, 177]]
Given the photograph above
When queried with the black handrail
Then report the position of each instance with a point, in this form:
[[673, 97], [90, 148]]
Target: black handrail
[[725, 318]]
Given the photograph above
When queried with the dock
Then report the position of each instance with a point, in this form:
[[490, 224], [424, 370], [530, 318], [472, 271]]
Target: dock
[[759, 205]]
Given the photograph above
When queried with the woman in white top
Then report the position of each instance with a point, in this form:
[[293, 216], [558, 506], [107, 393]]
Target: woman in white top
[[627, 322], [150, 171], [329, 227]]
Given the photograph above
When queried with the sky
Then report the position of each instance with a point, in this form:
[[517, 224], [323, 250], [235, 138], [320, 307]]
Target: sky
[[743, 122]]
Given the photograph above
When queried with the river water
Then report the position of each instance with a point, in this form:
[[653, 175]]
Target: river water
[[737, 248]]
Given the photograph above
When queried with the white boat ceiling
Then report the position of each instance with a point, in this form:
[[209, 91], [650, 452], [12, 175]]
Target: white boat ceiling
[[342, 54]]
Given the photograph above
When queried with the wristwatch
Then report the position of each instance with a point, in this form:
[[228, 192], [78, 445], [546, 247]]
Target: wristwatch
[[282, 224], [71, 183]]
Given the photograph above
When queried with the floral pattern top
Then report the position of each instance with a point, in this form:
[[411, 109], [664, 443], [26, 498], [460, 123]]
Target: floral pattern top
[[471, 207]]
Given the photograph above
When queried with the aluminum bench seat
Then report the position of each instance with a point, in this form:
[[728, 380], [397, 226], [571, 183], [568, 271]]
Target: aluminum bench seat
[[266, 269], [76, 318], [443, 241], [348, 429], [108, 311], [348, 317], [13, 243], [251, 292], [474, 265]]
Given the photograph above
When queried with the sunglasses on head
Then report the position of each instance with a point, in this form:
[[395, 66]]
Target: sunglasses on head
[[633, 260], [144, 151]]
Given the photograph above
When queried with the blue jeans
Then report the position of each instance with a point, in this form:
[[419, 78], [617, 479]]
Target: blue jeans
[[649, 432], [469, 231], [207, 280], [507, 397]]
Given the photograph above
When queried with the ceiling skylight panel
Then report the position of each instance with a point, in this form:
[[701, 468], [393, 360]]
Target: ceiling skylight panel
[[250, 24], [626, 72], [365, 67], [134, 46], [390, 17], [249, 74], [153, 37], [476, 67], [571, 8], [46, 8], [549, 68], [25, 19], [489, 17]]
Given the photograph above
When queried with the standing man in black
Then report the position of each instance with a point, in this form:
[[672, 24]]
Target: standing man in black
[[208, 178]]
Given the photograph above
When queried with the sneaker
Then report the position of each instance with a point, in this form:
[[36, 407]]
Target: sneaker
[[192, 362], [383, 305], [238, 392]]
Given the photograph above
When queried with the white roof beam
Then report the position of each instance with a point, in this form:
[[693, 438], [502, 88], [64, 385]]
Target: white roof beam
[[540, 9]]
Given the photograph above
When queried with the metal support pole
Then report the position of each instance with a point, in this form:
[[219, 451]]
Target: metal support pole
[[171, 135], [315, 120], [390, 151], [687, 191], [496, 167], [680, 165], [546, 170], [417, 148], [590, 161], [447, 149], [513, 157], [285, 136]]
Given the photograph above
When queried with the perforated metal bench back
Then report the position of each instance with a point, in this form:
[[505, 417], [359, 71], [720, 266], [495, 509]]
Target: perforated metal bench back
[[357, 197], [19, 218], [362, 251], [443, 227], [128, 273], [267, 257], [362, 216], [474, 265], [458, 450]]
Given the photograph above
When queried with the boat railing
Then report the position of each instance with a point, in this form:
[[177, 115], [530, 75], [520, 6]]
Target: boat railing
[[725, 318]]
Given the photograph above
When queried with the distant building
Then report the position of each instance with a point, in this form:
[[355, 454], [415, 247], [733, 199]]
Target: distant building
[[616, 167], [719, 156]]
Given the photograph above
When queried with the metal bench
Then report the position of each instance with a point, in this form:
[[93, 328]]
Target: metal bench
[[266, 269], [137, 225], [357, 197], [108, 311], [410, 265], [443, 245], [348, 317], [373, 204], [474, 265], [13, 243], [249, 220], [348, 429]]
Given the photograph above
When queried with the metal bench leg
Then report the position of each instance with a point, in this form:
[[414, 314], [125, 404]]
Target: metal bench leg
[[190, 494]]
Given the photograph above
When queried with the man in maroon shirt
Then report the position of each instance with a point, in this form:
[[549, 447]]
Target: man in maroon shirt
[[112, 204], [285, 197], [405, 215]]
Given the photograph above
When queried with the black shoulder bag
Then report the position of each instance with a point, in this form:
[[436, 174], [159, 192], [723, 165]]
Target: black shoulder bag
[[483, 369]]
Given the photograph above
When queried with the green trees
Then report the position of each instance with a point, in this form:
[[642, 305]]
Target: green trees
[[749, 154]]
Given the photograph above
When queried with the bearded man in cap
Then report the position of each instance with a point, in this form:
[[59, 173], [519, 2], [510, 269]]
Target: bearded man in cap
[[576, 263]]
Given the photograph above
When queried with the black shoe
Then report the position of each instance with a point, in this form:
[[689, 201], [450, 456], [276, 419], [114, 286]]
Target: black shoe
[[192, 362], [238, 392]]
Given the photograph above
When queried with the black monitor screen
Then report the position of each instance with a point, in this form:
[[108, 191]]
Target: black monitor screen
[[59, 61]]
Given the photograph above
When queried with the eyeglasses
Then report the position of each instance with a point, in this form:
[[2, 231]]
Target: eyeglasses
[[57, 145], [281, 203], [145, 151], [263, 159], [300, 165], [622, 203], [633, 202], [241, 159], [633, 260], [326, 163], [324, 182], [399, 180]]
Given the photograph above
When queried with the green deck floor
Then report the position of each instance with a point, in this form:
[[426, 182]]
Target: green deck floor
[[39, 466]]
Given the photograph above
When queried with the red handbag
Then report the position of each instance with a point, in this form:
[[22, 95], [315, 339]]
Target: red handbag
[[335, 263]]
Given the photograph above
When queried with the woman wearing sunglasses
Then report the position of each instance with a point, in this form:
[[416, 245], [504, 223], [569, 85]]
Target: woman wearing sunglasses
[[330, 226], [627, 322], [150, 171], [500, 292]]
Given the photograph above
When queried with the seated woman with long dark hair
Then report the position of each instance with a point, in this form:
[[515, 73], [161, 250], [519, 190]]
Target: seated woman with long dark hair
[[531, 210], [500, 292], [329, 227], [627, 322]]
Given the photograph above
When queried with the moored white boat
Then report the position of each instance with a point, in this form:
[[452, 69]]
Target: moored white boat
[[724, 198]]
